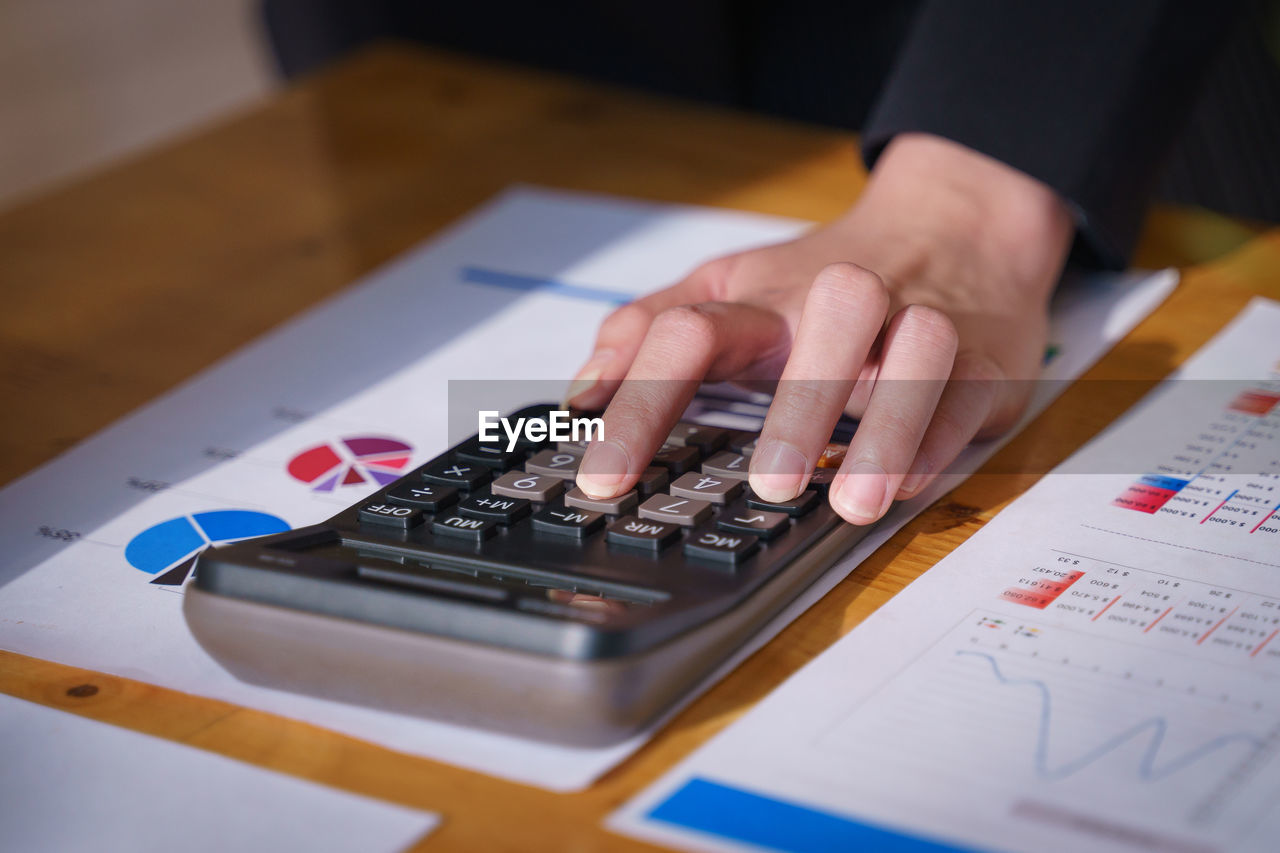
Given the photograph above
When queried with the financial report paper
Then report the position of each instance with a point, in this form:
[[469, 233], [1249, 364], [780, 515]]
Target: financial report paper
[[1098, 668], [310, 418], [71, 784]]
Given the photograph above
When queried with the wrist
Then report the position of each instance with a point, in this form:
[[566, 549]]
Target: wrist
[[954, 201]]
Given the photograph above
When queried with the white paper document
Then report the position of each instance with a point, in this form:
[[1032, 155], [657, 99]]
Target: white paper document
[[1096, 669], [310, 418], [72, 784]]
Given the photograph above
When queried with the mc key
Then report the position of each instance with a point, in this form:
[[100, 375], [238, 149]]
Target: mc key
[[707, 543]]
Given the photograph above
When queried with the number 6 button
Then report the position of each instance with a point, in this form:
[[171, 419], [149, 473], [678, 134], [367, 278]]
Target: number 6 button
[[534, 487]]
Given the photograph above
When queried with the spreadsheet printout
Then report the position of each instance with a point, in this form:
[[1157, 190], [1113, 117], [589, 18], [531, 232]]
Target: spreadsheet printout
[[1097, 668]]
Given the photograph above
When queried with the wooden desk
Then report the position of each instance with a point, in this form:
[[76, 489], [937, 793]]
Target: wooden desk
[[247, 223]]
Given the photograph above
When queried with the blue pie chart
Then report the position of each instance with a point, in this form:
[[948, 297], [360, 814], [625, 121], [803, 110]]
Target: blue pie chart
[[168, 543]]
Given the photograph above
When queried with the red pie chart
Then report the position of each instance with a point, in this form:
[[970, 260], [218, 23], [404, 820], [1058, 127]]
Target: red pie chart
[[351, 462]]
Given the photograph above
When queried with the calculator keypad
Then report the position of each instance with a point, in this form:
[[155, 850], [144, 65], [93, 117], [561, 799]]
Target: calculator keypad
[[458, 473], [559, 519], [621, 505], [706, 439], [676, 458], [462, 527], [554, 463], [427, 496], [727, 464], [642, 533], [705, 487], [653, 480], [485, 504], [802, 504], [708, 543], [534, 487], [687, 512], [488, 453], [694, 494], [740, 518], [390, 515]]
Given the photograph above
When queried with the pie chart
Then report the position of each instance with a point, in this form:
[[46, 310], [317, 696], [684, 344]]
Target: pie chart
[[170, 543], [350, 462]]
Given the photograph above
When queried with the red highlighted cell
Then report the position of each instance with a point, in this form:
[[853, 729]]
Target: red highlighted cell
[[1143, 498], [1041, 593], [1255, 402]]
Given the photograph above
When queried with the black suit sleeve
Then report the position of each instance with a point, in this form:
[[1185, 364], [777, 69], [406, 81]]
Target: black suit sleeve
[[1084, 95]]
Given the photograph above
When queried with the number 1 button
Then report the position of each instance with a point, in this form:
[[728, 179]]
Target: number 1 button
[[754, 522]]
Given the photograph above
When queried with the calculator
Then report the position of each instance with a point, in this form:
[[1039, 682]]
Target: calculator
[[484, 588]]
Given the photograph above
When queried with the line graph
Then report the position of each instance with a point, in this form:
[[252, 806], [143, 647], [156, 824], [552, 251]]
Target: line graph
[[1028, 712], [1155, 728]]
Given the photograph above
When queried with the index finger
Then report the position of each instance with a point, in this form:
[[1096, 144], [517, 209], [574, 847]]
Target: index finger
[[684, 346]]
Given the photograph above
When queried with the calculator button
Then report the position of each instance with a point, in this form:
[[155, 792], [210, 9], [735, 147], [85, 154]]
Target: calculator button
[[740, 438], [747, 448], [706, 438], [621, 505], [554, 463], [534, 487], [832, 455], [707, 543], [485, 504], [727, 464], [704, 487], [531, 414], [741, 518], [577, 448], [474, 529], [821, 479], [390, 515], [686, 512], [458, 473], [797, 506], [494, 454], [653, 480], [676, 459], [558, 518], [641, 533], [429, 496]]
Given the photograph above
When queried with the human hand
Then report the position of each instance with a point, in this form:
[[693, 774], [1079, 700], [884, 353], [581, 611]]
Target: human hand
[[910, 312]]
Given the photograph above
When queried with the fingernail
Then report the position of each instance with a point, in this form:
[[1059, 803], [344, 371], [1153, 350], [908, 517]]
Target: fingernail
[[603, 467], [778, 471], [859, 495], [588, 376], [912, 482]]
